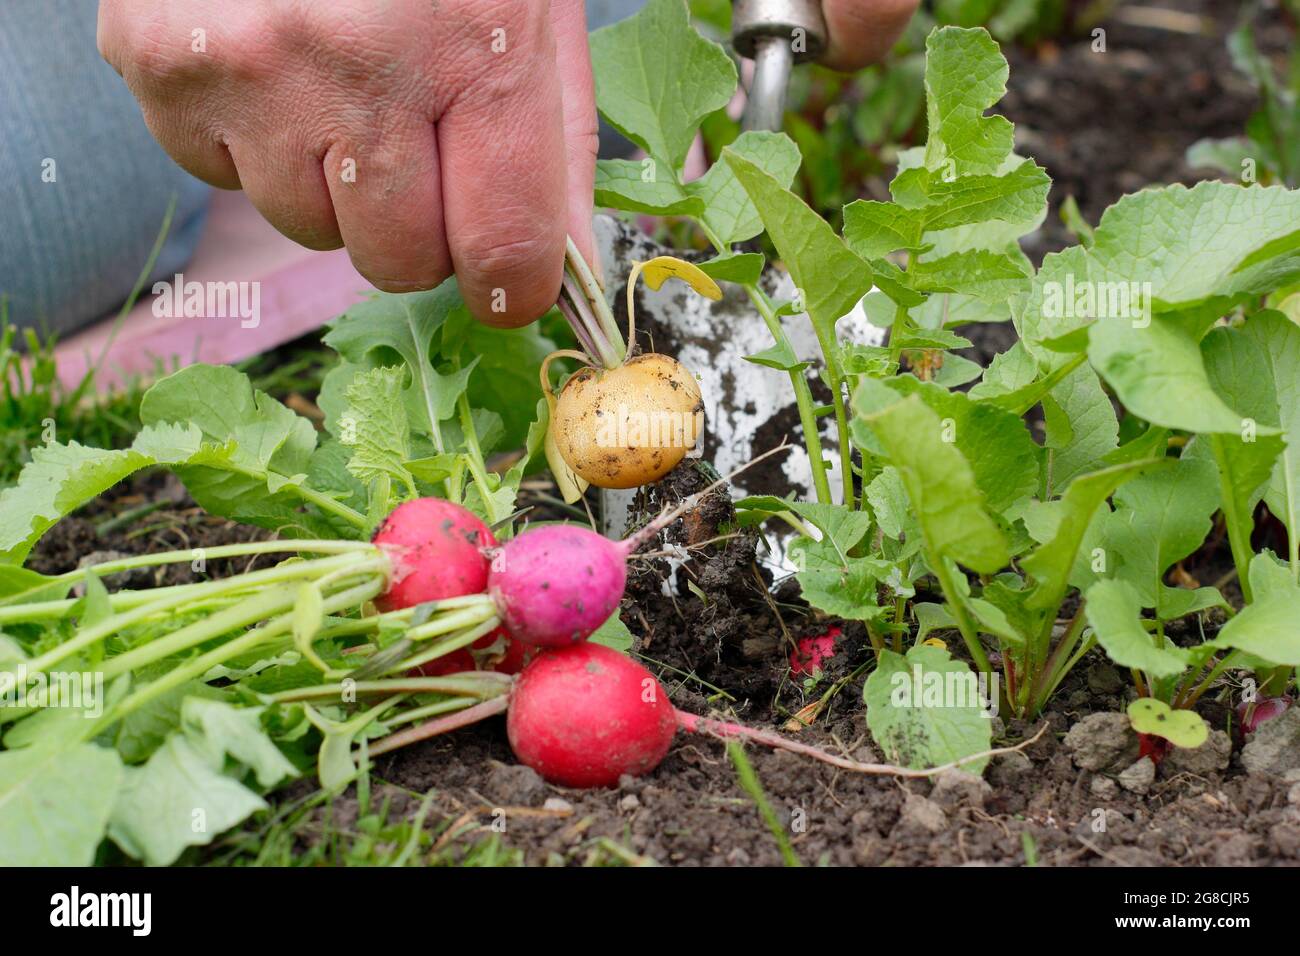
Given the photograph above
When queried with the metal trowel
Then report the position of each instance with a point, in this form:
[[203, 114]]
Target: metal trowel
[[749, 408]]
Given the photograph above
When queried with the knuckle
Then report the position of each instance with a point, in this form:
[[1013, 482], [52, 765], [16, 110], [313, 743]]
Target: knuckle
[[155, 54]]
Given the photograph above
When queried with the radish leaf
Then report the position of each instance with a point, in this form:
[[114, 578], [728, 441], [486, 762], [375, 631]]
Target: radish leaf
[[925, 709], [659, 78], [1114, 610]]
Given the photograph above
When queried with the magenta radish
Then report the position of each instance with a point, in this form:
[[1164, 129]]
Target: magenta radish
[[435, 548], [582, 716], [556, 584], [813, 651]]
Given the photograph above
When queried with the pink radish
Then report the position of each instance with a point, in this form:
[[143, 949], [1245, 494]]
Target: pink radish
[[813, 651], [582, 716], [435, 548], [556, 584]]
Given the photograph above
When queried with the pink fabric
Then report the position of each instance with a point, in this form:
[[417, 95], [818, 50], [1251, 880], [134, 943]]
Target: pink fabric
[[299, 290]]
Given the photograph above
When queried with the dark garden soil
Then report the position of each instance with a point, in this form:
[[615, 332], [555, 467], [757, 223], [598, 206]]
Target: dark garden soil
[[1103, 125]]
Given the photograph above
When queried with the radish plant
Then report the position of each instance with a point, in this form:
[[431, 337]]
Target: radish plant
[[1166, 386], [973, 547], [620, 421]]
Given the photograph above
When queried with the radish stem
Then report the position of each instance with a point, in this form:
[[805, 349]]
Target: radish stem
[[441, 725], [693, 723], [281, 572]]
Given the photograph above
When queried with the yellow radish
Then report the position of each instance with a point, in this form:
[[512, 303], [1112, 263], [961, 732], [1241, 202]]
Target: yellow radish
[[626, 423]]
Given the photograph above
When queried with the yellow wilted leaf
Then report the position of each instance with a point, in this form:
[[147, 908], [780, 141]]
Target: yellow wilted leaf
[[662, 268], [935, 642], [656, 272]]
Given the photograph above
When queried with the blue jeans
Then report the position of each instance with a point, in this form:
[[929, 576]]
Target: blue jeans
[[83, 186]]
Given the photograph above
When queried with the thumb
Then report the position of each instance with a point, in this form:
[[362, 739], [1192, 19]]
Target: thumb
[[863, 31]]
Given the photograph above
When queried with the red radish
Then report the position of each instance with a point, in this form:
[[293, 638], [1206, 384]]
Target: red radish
[[496, 651], [582, 716], [556, 584], [435, 548], [813, 651], [1250, 714], [500, 652], [516, 657]]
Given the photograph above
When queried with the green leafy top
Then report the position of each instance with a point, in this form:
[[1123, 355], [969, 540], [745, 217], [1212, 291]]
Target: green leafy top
[[659, 78]]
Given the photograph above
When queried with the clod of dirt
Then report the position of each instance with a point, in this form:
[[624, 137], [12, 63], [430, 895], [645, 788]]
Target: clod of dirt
[[1211, 757], [1008, 770], [1104, 788], [514, 784], [1275, 747], [1104, 679], [1103, 742], [1138, 777], [923, 815], [132, 578], [954, 788], [1106, 826]]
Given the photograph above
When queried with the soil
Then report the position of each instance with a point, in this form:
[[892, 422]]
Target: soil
[[147, 514], [707, 624]]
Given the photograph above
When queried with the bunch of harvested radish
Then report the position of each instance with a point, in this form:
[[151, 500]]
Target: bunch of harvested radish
[[619, 422], [580, 714]]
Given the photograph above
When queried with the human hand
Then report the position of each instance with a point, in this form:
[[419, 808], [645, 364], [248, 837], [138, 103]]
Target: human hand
[[426, 136], [863, 31]]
